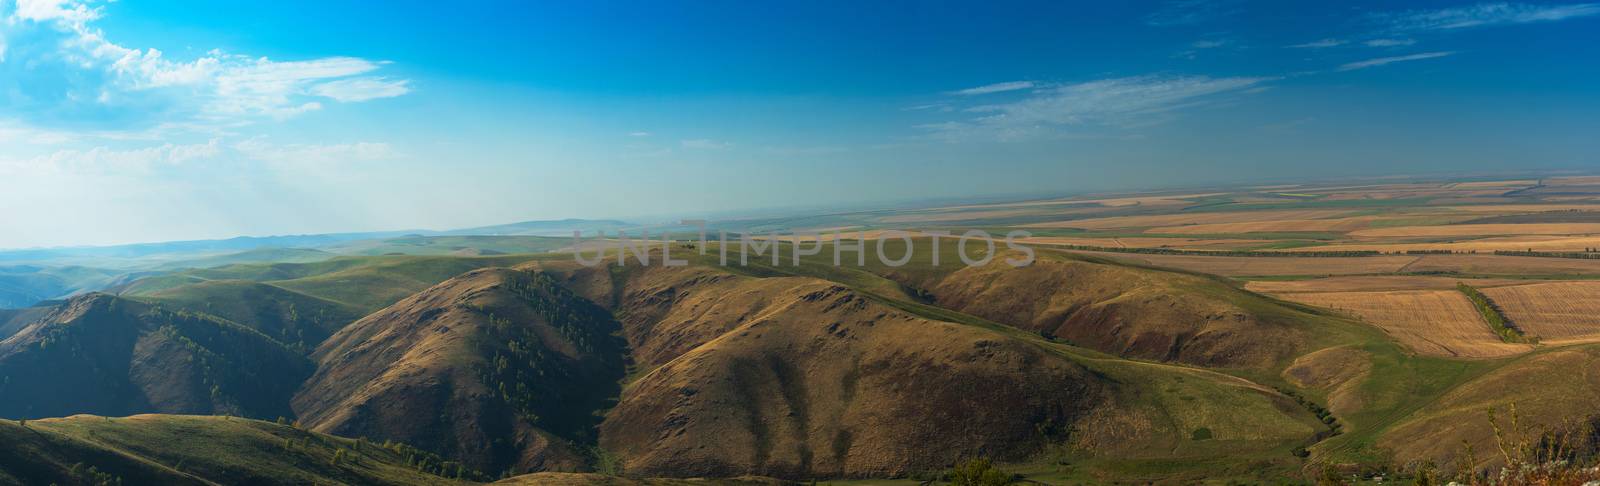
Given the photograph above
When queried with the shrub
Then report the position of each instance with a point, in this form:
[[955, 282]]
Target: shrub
[[978, 472]]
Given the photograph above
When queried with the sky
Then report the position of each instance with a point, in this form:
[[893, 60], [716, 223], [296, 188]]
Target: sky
[[136, 120]]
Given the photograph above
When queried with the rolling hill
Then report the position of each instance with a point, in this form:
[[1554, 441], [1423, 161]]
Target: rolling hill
[[110, 356], [184, 450], [498, 368], [300, 321], [801, 377]]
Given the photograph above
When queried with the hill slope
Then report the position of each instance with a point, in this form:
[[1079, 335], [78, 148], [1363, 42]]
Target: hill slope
[[299, 320], [183, 450], [500, 368], [1127, 311], [106, 355], [800, 377]]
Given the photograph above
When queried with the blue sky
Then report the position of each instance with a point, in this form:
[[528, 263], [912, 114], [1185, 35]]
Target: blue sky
[[140, 120]]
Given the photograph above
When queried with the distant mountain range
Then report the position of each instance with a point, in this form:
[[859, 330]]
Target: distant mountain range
[[562, 227]]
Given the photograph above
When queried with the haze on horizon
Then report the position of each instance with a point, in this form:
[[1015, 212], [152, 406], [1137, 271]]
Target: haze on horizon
[[134, 121]]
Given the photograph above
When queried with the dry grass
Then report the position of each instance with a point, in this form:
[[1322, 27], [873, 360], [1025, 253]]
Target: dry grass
[[1522, 208], [1194, 219], [1508, 243], [1254, 266], [1481, 230], [1431, 322], [1504, 265], [1372, 283], [1558, 312], [1189, 243], [1284, 225]]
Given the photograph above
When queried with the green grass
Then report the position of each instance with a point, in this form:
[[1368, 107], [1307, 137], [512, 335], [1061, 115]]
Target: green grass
[[173, 449], [364, 284]]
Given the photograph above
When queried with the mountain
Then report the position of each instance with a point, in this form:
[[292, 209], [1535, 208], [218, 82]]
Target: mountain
[[110, 356], [257, 255], [499, 368], [25, 285], [562, 227]]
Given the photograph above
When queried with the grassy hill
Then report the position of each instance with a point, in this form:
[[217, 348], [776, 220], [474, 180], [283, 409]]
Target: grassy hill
[[740, 373], [464, 245], [24, 285], [365, 284], [106, 355], [498, 368], [298, 320], [179, 450], [257, 255]]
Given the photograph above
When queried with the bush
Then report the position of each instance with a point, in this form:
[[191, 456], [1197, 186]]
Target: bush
[[978, 472]]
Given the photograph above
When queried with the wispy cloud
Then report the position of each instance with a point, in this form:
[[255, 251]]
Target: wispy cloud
[[1486, 14], [1209, 44], [1185, 12], [1391, 60], [639, 134], [704, 144], [260, 149], [362, 89], [1389, 42], [1321, 44], [1120, 102], [94, 80], [995, 88]]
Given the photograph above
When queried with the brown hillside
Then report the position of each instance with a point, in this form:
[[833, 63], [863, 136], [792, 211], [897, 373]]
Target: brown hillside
[[110, 356], [499, 368], [799, 377], [1126, 311]]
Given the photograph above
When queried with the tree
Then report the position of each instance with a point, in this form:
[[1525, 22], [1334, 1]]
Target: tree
[[978, 472]]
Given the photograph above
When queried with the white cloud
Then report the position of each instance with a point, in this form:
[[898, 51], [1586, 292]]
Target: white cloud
[[639, 134], [705, 144], [319, 154], [1389, 42], [995, 88], [97, 80], [362, 89], [1121, 102], [1487, 14], [48, 10], [106, 159], [1390, 60], [1321, 44], [1208, 44]]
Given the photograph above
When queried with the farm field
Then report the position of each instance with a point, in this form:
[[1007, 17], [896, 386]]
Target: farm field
[[1557, 312], [1374, 283], [1432, 322]]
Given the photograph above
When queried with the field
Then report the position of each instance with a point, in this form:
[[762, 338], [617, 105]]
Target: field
[[1557, 312], [1431, 322]]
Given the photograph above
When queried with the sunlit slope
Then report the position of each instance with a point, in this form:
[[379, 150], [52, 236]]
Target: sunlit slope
[[1551, 390], [501, 369], [1128, 311], [802, 377], [180, 450], [111, 356]]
